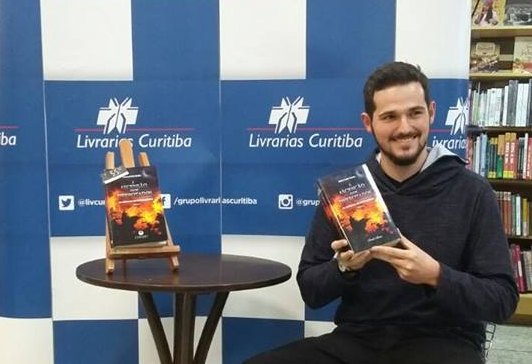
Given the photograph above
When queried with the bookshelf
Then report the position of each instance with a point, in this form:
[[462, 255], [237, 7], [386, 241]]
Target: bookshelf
[[523, 314], [503, 31], [499, 76], [504, 36]]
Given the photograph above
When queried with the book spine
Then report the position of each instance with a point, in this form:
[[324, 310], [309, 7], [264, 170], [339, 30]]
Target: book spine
[[517, 209], [512, 160], [509, 217], [529, 159], [500, 156], [504, 120], [525, 156], [527, 258]]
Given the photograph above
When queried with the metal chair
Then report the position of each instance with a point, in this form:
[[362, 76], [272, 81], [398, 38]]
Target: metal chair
[[490, 333]]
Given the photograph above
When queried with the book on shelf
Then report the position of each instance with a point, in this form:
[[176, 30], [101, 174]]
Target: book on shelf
[[134, 209], [488, 12], [353, 202], [519, 267], [527, 268], [522, 59], [484, 57], [517, 12]]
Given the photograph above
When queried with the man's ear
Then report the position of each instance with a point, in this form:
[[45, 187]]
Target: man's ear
[[432, 111], [366, 120]]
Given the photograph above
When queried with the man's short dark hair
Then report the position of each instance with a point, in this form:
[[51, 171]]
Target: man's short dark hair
[[393, 74]]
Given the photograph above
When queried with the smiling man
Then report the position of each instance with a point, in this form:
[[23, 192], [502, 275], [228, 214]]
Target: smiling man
[[427, 300]]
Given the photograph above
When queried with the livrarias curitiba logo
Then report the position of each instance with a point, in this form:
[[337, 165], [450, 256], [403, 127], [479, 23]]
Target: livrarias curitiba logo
[[8, 136], [457, 119], [115, 119], [285, 120]]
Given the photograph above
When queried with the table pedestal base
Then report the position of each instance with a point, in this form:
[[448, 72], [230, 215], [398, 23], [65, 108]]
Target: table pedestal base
[[184, 318]]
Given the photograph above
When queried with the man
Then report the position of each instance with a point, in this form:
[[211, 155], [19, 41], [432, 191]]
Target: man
[[426, 300]]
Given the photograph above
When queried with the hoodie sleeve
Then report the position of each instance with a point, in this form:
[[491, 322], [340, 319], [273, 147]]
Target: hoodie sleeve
[[486, 291], [318, 277]]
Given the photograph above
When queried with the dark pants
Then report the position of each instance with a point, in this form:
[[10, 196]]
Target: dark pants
[[383, 345]]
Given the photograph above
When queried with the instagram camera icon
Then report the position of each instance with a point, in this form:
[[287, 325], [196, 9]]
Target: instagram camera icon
[[286, 201]]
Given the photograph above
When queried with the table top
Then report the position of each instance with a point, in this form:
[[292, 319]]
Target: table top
[[197, 273]]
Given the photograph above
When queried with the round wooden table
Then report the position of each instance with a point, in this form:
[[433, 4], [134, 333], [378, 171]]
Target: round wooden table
[[197, 274]]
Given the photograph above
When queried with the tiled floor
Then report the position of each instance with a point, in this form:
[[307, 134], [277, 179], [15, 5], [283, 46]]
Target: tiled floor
[[511, 345]]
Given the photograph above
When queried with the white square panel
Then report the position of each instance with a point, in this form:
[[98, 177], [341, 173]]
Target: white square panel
[[262, 39], [435, 35], [87, 39], [282, 301], [318, 328], [26, 341], [73, 299], [148, 352]]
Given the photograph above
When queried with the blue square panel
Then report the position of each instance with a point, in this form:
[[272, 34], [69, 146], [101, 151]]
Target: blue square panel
[[243, 338], [176, 123], [339, 43], [90, 342], [175, 39]]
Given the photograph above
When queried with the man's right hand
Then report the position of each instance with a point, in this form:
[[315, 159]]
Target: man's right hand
[[348, 258]]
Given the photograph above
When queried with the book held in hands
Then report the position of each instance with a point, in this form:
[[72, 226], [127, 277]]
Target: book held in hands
[[134, 209], [353, 202]]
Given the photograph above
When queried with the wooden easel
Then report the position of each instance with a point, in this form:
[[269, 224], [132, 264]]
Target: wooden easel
[[169, 250]]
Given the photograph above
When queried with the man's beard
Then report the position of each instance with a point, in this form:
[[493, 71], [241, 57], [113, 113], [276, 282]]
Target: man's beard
[[402, 161]]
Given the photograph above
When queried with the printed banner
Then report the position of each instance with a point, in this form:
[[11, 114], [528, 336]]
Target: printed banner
[[176, 123]]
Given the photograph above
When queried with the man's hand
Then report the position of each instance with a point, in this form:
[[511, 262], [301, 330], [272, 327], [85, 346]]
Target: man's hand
[[412, 264], [348, 258]]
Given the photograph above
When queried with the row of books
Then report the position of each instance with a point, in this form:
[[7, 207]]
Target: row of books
[[504, 156], [522, 267], [515, 213], [501, 12], [487, 57], [508, 106]]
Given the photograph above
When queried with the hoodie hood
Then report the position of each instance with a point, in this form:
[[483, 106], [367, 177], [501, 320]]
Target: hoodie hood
[[439, 169]]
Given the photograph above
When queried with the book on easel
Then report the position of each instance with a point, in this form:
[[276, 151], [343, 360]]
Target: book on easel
[[140, 193], [135, 210]]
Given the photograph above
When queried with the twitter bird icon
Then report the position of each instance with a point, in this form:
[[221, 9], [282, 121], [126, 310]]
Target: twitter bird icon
[[66, 203]]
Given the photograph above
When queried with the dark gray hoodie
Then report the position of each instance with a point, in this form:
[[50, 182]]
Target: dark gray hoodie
[[452, 214]]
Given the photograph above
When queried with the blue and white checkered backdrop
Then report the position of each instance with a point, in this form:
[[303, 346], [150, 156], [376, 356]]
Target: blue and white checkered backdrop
[[203, 86]]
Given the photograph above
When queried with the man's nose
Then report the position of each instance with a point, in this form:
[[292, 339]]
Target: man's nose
[[404, 123]]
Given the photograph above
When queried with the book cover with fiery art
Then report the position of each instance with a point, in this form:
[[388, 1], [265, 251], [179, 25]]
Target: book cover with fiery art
[[134, 209], [353, 202]]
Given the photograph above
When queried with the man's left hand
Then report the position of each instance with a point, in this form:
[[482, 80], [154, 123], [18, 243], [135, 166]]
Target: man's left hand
[[412, 264]]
